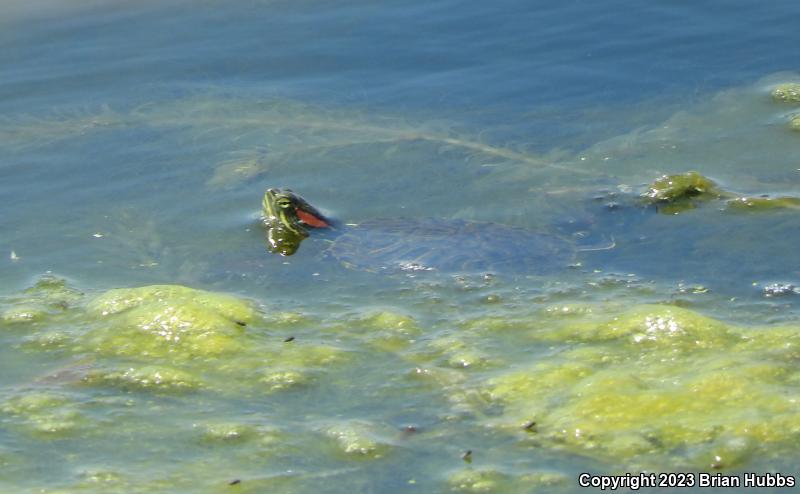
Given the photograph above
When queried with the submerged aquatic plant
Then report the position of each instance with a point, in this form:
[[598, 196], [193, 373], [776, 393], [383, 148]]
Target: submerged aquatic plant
[[728, 134], [26, 131], [268, 133]]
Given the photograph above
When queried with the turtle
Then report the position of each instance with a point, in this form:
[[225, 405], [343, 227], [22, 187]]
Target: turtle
[[409, 244]]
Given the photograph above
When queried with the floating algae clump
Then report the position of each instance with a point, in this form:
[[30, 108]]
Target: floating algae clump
[[170, 338], [169, 321], [472, 481], [788, 92], [44, 414], [672, 194], [763, 203], [488, 479], [49, 296], [384, 330], [357, 438], [144, 378], [659, 386]]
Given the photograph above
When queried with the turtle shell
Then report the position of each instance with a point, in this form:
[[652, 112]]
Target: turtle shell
[[449, 246]]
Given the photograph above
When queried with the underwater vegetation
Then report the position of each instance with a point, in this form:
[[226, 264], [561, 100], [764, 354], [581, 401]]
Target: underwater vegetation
[[271, 133], [728, 135], [28, 131]]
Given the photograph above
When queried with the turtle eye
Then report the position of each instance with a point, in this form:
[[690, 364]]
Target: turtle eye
[[284, 203]]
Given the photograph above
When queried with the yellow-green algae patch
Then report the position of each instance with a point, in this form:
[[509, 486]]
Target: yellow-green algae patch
[[658, 386], [480, 480], [763, 203], [227, 432], [384, 330], [147, 377], [787, 93], [456, 352], [358, 439], [281, 366], [169, 321], [488, 479], [286, 379], [43, 414], [173, 338], [50, 296]]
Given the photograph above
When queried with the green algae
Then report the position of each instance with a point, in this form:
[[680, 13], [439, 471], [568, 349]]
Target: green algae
[[49, 340], [647, 325], [147, 377], [477, 480], [24, 132], [302, 355], [794, 123], [763, 203], [175, 338], [49, 296], [169, 321], [672, 194], [287, 379], [383, 330], [724, 134], [494, 323], [358, 439], [156, 296], [294, 130], [23, 314], [46, 415], [658, 385], [787, 92], [227, 432], [543, 480], [456, 352], [489, 479]]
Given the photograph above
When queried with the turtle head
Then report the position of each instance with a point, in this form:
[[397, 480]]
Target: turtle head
[[287, 217]]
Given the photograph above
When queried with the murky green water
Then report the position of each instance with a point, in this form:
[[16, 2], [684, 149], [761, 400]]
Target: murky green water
[[150, 343]]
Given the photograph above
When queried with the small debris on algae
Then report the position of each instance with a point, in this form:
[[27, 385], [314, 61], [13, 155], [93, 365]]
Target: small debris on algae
[[14, 257], [530, 426]]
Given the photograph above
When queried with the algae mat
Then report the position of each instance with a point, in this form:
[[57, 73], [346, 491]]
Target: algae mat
[[652, 387]]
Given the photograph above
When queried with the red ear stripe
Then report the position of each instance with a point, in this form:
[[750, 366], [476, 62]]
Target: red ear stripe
[[311, 220]]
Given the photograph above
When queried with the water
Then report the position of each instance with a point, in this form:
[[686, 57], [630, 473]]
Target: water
[[138, 138]]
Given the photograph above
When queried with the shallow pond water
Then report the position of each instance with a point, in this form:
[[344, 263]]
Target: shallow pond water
[[150, 343]]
